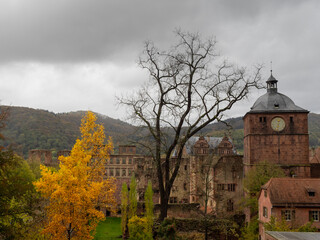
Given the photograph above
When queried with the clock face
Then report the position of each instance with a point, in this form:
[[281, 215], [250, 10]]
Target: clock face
[[278, 124]]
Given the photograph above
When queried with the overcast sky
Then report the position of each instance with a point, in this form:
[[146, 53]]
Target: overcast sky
[[69, 55]]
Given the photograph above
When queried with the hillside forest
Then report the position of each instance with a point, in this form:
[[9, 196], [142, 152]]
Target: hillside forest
[[28, 128]]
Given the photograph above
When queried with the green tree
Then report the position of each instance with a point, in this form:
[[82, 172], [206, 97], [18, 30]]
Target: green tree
[[124, 210], [149, 207], [133, 203], [18, 196], [255, 178], [138, 229]]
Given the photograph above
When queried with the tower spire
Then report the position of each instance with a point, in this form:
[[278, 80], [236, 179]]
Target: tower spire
[[272, 82]]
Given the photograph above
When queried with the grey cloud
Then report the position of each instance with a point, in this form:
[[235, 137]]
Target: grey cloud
[[75, 32], [81, 30]]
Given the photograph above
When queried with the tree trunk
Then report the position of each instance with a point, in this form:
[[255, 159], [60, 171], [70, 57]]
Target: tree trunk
[[163, 208]]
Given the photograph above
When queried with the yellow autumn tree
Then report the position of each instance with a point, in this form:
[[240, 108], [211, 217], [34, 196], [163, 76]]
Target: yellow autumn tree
[[78, 189]]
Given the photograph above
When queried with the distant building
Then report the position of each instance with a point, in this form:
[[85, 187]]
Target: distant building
[[314, 158], [296, 200], [213, 158], [228, 185]]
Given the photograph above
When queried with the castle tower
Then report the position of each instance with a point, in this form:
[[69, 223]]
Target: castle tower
[[276, 131]]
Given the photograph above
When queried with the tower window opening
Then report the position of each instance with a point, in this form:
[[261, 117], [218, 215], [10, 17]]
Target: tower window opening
[[263, 119], [291, 119]]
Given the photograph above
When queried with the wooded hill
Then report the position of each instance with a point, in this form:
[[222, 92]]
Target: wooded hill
[[28, 128]]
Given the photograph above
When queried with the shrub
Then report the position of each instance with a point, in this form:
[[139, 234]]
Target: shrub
[[138, 229], [191, 236], [167, 230]]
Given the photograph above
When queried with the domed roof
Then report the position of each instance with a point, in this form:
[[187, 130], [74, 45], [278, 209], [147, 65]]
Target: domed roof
[[273, 101]]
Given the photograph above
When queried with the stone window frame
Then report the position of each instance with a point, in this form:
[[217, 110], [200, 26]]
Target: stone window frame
[[185, 186], [265, 212], [173, 200], [231, 187], [220, 187], [230, 206], [288, 214], [314, 215]]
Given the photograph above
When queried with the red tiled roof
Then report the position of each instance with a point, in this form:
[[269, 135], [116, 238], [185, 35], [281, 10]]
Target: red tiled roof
[[283, 191]]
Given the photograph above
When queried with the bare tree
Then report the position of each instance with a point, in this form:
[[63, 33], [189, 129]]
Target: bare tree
[[186, 91]]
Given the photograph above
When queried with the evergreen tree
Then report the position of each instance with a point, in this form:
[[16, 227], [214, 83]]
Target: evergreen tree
[[149, 206], [124, 209], [133, 198]]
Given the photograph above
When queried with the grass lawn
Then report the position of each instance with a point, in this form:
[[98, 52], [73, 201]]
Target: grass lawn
[[109, 229]]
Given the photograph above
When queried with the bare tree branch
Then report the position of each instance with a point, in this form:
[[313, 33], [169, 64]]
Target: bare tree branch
[[189, 88]]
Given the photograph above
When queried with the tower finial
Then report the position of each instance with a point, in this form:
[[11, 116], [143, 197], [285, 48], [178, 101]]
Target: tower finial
[[272, 82]]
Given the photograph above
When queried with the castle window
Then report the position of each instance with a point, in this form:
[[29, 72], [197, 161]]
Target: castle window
[[230, 205], [233, 170], [118, 161], [185, 167], [288, 214], [265, 212], [231, 187], [117, 172], [111, 160], [220, 187], [123, 161], [314, 216], [265, 193], [311, 192], [129, 172], [185, 186], [130, 160], [291, 119], [173, 200], [111, 172], [262, 119], [124, 172]]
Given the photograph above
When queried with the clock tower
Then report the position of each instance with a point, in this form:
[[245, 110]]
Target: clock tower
[[276, 131]]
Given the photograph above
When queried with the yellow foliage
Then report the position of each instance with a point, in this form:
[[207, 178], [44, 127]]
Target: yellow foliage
[[78, 188]]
